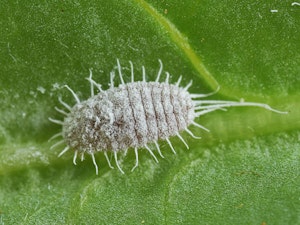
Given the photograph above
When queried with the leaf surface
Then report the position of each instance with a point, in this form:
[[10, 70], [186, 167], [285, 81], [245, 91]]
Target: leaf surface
[[244, 171]]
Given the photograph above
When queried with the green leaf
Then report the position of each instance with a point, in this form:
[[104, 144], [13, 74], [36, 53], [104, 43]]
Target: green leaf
[[244, 171]]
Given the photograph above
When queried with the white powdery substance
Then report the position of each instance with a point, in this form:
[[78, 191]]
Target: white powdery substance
[[134, 115], [131, 115]]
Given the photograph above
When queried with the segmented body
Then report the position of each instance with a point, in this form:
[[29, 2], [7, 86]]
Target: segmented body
[[133, 115]]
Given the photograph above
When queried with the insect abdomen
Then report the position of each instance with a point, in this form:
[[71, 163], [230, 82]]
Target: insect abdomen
[[172, 107], [141, 113], [144, 112]]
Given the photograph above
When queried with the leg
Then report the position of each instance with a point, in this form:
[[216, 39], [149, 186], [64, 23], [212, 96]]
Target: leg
[[181, 138], [92, 86], [136, 159], [82, 156], [132, 73], [149, 150], [108, 161], [61, 111], [63, 151], [92, 82], [167, 77], [178, 81], [158, 149], [56, 121], [64, 104], [112, 76], [160, 70], [120, 71], [205, 95], [75, 157], [200, 126], [95, 164], [190, 133], [57, 144], [171, 146], [117, 163], [73, 93], [144, 74], [188, 85], [55, 136]]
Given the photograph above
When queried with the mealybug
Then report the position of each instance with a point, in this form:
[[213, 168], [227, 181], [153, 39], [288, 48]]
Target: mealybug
[[133, 115]]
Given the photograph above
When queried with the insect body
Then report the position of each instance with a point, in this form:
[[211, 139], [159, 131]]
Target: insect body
[[133, 115]]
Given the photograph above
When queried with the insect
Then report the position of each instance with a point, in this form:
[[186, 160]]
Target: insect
[[133, 116]]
